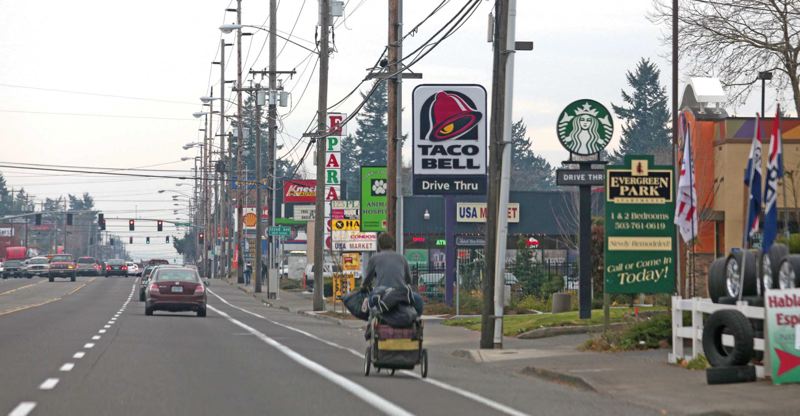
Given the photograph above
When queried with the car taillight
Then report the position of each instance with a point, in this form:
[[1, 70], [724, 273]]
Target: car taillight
[[153, 288], [124, 267], [108, 268], [199, 290]]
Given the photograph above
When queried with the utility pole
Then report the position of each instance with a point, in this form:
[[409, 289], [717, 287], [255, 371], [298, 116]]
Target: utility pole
[[64, 247], [259, 180], [497, 136], [322, 112], [393, 96], [213, 209], [239, 145], [675, 130], [272, 115], [223, 197]]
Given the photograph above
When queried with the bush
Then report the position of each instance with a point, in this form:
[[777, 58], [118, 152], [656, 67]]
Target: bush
[[793, 242], [651, 333]]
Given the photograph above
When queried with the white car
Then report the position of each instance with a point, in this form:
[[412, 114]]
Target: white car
[[133, 268]]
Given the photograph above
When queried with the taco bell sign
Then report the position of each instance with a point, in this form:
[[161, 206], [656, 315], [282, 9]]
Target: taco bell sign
[[449, 139]]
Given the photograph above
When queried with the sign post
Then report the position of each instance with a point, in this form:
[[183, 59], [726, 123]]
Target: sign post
[[783, 330], [584, 128]]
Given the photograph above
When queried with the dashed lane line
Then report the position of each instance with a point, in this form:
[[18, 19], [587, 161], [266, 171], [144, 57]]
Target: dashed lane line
[[67, 367], [23, 409], [78, 355], [49, 384]]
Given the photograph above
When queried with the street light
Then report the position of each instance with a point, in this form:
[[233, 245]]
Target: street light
[[228, 28], [206, 99], [763, 76]]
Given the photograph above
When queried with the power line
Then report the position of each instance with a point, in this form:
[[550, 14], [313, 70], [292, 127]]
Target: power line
[[53, 113], [95, 94]]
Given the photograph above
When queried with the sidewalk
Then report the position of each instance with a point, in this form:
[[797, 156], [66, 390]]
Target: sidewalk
[[639, 377]]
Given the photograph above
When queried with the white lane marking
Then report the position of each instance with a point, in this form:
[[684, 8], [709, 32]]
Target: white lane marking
[[48, 384], [95, 338], [102, 331], [107, 326], [67, 367], [464, 393], [78, 355], [355, 389], [88, 345], [23, 409]]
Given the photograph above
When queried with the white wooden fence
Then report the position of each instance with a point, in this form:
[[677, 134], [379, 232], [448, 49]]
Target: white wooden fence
[[698, 308]]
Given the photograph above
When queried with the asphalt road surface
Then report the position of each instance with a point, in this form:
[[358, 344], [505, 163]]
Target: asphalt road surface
[[86, 348]]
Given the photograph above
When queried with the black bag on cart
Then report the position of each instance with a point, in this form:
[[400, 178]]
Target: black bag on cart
[[402, 316], [356, 304], [384, 299]]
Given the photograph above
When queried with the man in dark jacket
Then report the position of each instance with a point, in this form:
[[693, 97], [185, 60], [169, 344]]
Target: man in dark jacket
[[387, 268]]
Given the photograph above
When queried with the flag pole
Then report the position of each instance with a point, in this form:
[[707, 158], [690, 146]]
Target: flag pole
[[691, 199], [745, 236]]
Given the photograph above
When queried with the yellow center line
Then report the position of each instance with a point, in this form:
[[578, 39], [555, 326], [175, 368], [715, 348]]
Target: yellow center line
[[19, 288], [22, 308]]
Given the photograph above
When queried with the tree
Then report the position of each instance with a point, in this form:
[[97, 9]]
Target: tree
[[186, 246], [368, 146], [529, 171], [645, 115], [736, 39], [5, 197], [82, 203]]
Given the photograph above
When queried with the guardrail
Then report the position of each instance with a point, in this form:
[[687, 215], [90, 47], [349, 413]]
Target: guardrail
[[698, 307]]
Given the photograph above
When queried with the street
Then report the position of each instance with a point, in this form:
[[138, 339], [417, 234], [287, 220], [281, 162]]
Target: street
[[91, 350]]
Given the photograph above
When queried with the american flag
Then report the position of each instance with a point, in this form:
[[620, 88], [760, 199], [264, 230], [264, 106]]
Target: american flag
[[686, 208]]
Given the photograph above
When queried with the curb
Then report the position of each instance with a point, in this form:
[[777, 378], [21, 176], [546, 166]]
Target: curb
[[558, 377], [566, 330]]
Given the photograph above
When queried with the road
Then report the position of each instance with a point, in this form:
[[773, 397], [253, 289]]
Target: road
[[86, 347]]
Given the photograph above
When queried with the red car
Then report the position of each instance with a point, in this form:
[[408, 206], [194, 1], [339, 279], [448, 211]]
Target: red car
[[62, 265], [175, 289]]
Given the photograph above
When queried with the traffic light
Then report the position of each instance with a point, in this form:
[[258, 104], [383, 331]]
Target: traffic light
[[38, 219], [167, 239], [147, 240], [130, 239], [69, 219], [101, 221], [200, 237], [111, 241], [160, 225], [131, 226]]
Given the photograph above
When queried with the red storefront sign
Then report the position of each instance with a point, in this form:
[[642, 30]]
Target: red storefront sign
[[300, 190]]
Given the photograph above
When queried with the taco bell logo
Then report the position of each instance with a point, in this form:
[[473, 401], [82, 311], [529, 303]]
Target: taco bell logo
[[449, 130]]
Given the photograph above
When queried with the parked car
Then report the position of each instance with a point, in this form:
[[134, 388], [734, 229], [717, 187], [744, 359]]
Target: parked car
[[328, 269], [88, 266], [62, 265], [175, 289], [116, 267], [1, 269], [133, 268], [37, 266], [13, 268]]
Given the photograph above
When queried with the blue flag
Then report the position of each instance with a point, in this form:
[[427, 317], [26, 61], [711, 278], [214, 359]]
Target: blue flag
[[752, 179], [774, 171]]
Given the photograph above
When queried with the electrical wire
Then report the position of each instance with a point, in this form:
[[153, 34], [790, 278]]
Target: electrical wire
[[95, 94]]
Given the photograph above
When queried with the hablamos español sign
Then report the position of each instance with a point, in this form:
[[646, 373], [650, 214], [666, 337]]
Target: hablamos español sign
[[638, 227], [449, 139]]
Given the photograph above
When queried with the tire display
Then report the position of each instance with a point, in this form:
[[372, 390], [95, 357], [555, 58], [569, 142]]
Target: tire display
[[727, 375], [733, 268], [771, 263], [716, 279], [789, 271], [728, 322]]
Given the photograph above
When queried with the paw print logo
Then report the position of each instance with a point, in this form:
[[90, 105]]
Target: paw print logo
[[378, 187]]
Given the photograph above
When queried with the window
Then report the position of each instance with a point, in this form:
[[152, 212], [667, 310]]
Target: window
[[176, 275], [61, 258], [86, 260]]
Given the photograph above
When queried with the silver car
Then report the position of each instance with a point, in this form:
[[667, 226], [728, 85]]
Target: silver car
[[37, 266]]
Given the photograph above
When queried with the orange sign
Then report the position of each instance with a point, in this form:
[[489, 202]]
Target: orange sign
[[250, 219]]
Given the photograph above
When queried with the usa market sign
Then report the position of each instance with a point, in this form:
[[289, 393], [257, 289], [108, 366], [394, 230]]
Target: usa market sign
[[476, 212], [449, 139]]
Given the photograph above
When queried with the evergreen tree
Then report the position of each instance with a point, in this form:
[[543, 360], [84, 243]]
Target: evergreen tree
[[368, 146], [529, 171], [5, 197], [645, 116]]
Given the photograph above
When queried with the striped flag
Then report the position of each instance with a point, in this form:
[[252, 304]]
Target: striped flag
[[752, 179], [774, 171], [686, 208]]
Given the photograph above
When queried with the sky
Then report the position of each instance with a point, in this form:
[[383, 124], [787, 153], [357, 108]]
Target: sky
[[62, 62]]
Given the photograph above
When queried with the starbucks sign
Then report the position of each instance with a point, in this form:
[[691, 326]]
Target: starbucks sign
[[585, 127]]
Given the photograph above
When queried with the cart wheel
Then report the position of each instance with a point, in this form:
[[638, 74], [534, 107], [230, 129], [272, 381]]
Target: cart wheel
[[367, 361], [392, 373], [423, 363]]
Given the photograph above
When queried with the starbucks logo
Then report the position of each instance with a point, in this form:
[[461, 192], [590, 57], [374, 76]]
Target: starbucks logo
[[585, 127]]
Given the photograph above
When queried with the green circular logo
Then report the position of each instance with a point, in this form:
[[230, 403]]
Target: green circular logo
[[585, 127]]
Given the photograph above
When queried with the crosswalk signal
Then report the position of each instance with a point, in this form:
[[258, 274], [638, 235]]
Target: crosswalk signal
[[69, 219], [167, 239], [160, 225], [38, 219], [147, 240], [101, 221], [200, 237], [131, 226]]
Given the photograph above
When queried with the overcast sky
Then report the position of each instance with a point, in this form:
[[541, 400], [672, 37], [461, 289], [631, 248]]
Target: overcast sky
[[162, 51]]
